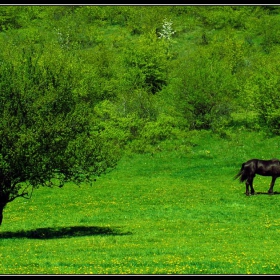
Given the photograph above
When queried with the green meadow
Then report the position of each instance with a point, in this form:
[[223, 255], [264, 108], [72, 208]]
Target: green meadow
[[184, 94], [178, 211]]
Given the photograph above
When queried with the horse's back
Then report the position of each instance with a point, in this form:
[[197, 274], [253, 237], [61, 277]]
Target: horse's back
[[268, 162], [262, 161], [269, 167], [252, 163], [263, 167]]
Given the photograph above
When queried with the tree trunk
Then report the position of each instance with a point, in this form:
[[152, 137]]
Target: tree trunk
[[4, 199], [2, 205], [5, 189]]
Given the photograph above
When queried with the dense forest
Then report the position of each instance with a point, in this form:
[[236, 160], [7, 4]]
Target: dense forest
[[150, 74]]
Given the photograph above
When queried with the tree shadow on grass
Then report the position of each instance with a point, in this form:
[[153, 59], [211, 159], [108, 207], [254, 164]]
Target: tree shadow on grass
[[62, 232]]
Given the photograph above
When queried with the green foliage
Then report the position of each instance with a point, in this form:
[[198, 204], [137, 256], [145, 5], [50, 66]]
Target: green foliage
[[273, 122], [262, 91], [205, 87], [219, 17], [135, 135], [115, 128], [268, 31], [46, 124], [154, 132], [14, 17], [145, 19], [124, 60], [154, 135], [147, 59]]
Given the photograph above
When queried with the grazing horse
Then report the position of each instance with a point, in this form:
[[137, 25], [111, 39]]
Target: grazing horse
[[250, 168]]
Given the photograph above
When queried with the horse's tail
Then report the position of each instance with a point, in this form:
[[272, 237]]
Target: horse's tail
[[242, 175]]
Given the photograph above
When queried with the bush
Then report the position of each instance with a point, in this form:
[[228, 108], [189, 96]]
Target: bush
[[273, 122], [157, 135], [116, 128]]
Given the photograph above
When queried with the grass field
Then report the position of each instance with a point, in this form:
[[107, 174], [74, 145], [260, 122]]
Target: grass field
[[169, 213]]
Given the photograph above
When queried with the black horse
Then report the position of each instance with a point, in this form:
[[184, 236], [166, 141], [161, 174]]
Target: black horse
[[250, 168]]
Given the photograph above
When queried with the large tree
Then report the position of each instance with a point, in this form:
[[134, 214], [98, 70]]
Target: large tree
[[47, 134]]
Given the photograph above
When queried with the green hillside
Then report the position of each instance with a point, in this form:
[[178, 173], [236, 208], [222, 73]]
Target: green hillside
[[153, 72]]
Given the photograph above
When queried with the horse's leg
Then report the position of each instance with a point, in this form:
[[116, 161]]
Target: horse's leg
[[270, 191], [247, 187], [249, 182], [251, 185]]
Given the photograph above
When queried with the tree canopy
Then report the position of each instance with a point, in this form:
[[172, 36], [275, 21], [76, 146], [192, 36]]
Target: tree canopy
[[47, 134]]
